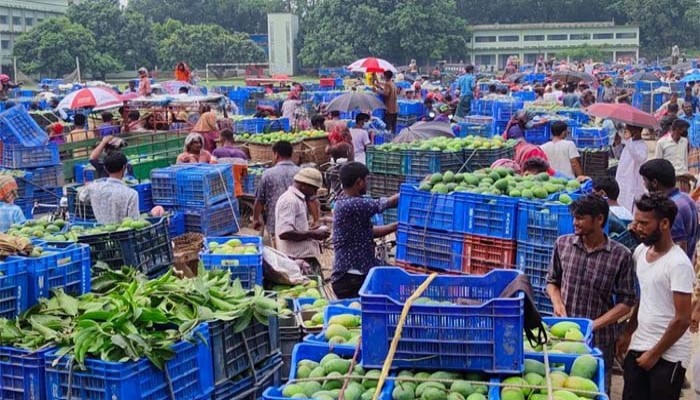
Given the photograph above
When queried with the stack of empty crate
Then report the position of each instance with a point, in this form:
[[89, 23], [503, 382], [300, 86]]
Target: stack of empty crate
[[202, 192], [28, 155]]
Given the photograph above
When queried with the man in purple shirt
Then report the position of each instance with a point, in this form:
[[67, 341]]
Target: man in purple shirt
[[228, 149], [659, 176]]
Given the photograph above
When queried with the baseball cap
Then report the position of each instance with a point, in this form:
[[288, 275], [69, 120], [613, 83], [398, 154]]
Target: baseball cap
[[310, 176]]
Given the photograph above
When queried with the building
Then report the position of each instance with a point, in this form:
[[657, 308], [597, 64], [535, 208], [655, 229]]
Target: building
[[491, 45], [17, 16], [282, 31]]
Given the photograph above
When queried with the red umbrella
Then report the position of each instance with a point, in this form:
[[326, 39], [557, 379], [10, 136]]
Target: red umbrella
[[624, 113], [371, 64], [96, 98]]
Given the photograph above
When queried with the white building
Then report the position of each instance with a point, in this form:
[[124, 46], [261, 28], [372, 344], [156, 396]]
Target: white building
[[491, 45]]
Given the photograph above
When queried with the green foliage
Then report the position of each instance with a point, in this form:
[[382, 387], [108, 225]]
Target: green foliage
[[584, 52], [50, 48], [202, 44]]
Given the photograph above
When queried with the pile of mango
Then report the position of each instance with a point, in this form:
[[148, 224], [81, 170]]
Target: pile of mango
[[308, 289], [37, 229], [577, 384], [564, 337], [462, 386], [344, 329], [329, 372]]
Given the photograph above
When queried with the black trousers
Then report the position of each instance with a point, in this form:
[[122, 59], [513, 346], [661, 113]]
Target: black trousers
[[390, 121], [348, 286], [664, 381]]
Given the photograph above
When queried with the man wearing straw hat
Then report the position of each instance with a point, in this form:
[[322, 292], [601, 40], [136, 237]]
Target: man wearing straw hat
[[293, 234], [9, 213]]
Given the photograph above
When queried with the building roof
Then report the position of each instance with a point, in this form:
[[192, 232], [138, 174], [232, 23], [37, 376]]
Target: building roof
[[57, 6], [548, 25]]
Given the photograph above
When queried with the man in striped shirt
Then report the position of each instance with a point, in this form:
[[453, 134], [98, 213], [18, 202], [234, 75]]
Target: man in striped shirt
[[591, 276]]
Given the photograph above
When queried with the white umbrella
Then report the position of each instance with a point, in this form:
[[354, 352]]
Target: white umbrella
[[96, 98], [371, 64]]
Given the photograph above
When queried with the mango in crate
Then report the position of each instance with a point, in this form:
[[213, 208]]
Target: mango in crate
[[437, 385], [572, 386], [233, 247]]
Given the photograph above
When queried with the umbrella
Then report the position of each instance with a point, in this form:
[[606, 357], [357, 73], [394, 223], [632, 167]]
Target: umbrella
[[692, 71], [353, 101], [691, 78], [371, 64], [644, 76], [129, 96], [623, 113], [573, 77], [96, 98], [173, 87], [424, 130], [516, 77]]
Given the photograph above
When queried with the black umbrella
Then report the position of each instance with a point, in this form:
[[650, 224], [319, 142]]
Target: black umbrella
[[423, 131], [573, 77], [644, 76], [516, 77], [355, 101]]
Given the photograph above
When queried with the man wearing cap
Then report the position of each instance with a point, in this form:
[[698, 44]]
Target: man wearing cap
[[5, 85], [9, 213], [292, 232]]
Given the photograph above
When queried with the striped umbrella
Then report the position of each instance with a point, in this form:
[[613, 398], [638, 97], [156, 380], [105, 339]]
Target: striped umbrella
[[96, 98], [371, 64]]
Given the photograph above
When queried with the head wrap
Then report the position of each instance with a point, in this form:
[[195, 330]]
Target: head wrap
[[8, 188], [191, 138]]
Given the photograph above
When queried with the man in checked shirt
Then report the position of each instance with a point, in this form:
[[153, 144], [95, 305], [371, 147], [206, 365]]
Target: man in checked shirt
[[591, 276]]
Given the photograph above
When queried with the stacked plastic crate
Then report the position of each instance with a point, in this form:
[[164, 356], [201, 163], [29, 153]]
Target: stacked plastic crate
[[203, 193], [409, 112], [593, 145], [458, 232], [32, 159], [504, 108]]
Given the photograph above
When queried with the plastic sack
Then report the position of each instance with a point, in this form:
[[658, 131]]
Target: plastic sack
[[282, 270]]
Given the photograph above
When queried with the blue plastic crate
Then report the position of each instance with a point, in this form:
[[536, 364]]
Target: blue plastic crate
[[245, 267], [564, 362], [590, 137], [204, 185], [24, 183], [475, 129], [18, 156], [190, 375], [482, 107], [65, 268], [145, 196], [428, 248], [578, 116], [218, 220], [176, 224], [524, 95], [486, 337], [499, 127], [244, 388], [427, 210], [504, 110], [543, 222], [164, 184], [425, 162], [533, 260], [492, 216], [27, 206], [48, 176], [539, 134], [14, 284], [694, 132], [235, 353], [390, 216], [18, 127], [410, 108], [48, 195], [22, 373]]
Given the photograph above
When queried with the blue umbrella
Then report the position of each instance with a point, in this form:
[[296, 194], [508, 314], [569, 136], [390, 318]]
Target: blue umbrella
[[691, 78]]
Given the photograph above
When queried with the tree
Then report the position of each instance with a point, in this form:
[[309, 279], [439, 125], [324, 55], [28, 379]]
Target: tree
[[585, 52], [199, 45], [423, 39], [100, 64], [51, 47]]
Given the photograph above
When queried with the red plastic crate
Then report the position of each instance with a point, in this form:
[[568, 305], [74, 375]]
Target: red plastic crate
[[326, 82], [483, 254]]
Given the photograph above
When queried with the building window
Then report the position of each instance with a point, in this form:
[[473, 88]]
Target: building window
[[579, 36], [533, 38], [603, 36], [3, 19], [484, 39], [39, 20], [16, 21], [29, 21], [485, 59], [557, 37], [626, 35], [5, 44], [509, 38]]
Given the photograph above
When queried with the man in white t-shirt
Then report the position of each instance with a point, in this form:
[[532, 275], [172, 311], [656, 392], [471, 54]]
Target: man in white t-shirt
[[657, 334], [562, 154], [360, 137], [674, 147]]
